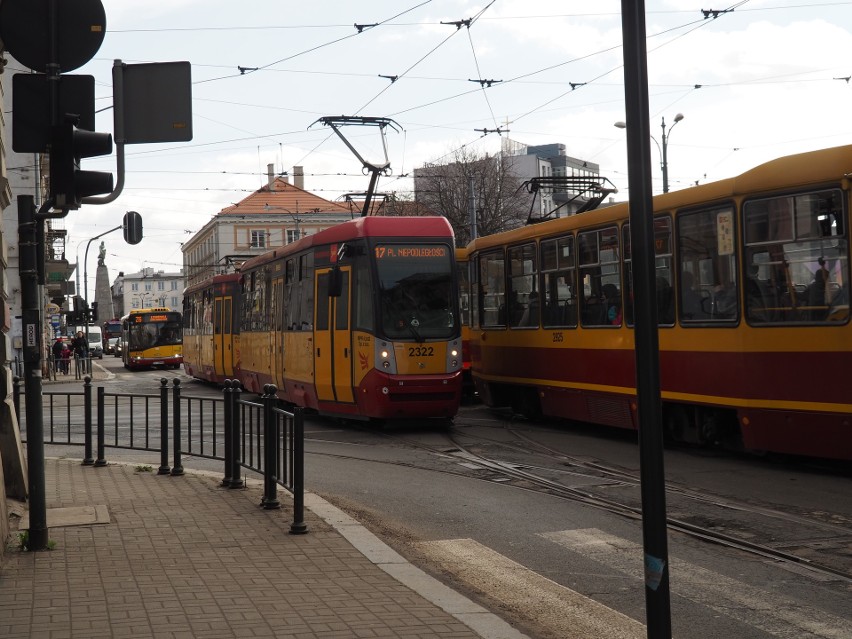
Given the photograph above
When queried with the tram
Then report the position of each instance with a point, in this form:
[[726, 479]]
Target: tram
[[152, 337], [211, 328], [463, 268], [360, 321], [752, 302]]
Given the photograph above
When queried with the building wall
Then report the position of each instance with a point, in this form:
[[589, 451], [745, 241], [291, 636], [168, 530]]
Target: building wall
[[146, 289]]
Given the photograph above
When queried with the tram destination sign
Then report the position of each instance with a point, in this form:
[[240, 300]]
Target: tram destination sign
[[403, 252]]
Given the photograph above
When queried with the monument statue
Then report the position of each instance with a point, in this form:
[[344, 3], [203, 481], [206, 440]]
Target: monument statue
[[101, 255]]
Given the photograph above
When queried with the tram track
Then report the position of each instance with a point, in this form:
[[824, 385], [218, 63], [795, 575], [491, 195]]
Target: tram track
[[525, 476]]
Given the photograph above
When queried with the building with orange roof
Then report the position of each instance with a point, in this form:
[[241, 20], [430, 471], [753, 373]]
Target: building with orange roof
[[274, 215]]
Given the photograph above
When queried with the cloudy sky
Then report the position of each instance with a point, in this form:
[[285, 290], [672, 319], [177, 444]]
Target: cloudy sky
[[765, 79]]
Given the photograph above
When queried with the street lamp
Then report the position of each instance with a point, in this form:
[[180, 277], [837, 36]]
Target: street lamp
[[664, 148], [296, 219]]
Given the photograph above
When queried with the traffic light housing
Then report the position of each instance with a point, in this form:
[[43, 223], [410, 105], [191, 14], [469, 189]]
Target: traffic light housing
[[93, 313], [132, 226], [68, 183]]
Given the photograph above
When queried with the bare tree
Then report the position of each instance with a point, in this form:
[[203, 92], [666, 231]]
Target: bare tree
[[444, 189]]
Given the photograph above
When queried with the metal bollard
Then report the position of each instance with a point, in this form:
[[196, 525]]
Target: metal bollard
[[16, 396], [228, 395], [236, 429], [87, 422], [298, 527], [177, 469], [164, 427], [270, 449], [101, 461]]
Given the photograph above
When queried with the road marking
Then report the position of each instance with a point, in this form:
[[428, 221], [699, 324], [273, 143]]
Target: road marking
[[530, 595], [764, 610]]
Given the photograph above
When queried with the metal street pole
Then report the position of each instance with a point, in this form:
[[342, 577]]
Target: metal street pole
[[665, 149], [31, 319], [647, 351]]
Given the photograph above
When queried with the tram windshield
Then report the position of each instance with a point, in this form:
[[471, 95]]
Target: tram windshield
[[417, 297]]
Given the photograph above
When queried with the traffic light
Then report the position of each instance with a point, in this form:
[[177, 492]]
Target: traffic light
[[68, 184], [132, 226], [93, 313]]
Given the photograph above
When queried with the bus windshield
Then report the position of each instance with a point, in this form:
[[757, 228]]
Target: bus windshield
[[159, 330], [417, 297]]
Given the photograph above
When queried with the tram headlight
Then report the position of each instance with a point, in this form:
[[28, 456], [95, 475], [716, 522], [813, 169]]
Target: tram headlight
[[454, 353], [385, 360]]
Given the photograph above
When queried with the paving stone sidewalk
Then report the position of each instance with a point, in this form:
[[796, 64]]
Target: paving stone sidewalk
[[184, 557]]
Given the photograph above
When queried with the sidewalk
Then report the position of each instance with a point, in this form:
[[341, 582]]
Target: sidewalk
[[143, 555]]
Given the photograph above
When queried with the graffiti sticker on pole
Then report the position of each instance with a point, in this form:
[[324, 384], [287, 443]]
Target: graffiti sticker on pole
[[31, 335]]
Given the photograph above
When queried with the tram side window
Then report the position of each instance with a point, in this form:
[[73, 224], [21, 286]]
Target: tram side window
[[260, 308], [475, 318], [708, 267], [663, 276], [796, 259], [248, 304], [524, 304], [306, 294], [292, 295], [492, 289], [559, 282], [362, 293], [464, 292], [600, 273]]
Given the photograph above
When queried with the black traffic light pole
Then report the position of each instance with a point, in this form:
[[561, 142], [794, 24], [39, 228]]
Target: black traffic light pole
[[31, 319]]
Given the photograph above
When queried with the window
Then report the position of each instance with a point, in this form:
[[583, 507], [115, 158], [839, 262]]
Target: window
[[796, 259], [292, 235], [708, 273], [134, 286], [174, 285], [161, 285], [492, 289], [600, 274], [258, 239], [523, 287], [174, 302], [559, 282], [662, 272]]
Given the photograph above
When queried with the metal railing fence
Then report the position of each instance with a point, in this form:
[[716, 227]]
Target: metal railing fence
[[258, 435]]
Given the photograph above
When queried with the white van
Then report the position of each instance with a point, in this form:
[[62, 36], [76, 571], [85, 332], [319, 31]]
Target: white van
[[96, 345]]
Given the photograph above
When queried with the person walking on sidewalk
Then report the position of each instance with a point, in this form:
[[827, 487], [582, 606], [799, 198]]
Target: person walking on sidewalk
[[81, 352], [57, 347]]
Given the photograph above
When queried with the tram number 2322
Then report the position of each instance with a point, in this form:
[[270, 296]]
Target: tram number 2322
[[421, 351]]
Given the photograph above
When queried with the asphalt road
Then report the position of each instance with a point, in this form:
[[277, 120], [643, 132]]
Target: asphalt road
[[533, 518]]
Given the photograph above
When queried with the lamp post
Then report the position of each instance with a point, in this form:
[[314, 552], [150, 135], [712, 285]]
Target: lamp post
[[662, 148], [296, 219]]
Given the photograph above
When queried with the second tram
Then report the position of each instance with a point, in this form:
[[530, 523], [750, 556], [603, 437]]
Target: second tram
[[752, 285]]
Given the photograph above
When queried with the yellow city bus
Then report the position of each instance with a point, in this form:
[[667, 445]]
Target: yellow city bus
[[152, 337]]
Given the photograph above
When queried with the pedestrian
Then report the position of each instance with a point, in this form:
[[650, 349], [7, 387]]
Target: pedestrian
[[57, 352], [66, 359]]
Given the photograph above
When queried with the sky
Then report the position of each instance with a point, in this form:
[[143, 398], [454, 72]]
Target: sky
[[764, 79]]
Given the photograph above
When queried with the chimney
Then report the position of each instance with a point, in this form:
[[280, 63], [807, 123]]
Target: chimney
[[270, 176], [299, 177]]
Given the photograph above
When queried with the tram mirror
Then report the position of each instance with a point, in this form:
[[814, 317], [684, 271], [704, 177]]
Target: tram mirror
[[335, 282]]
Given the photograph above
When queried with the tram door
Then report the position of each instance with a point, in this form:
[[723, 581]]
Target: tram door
[[223, 336], [332, 339]]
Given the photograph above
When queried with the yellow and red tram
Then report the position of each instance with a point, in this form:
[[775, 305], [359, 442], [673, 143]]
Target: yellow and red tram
[[752, 301], [211, 328], [463, 267], [360, 320]]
